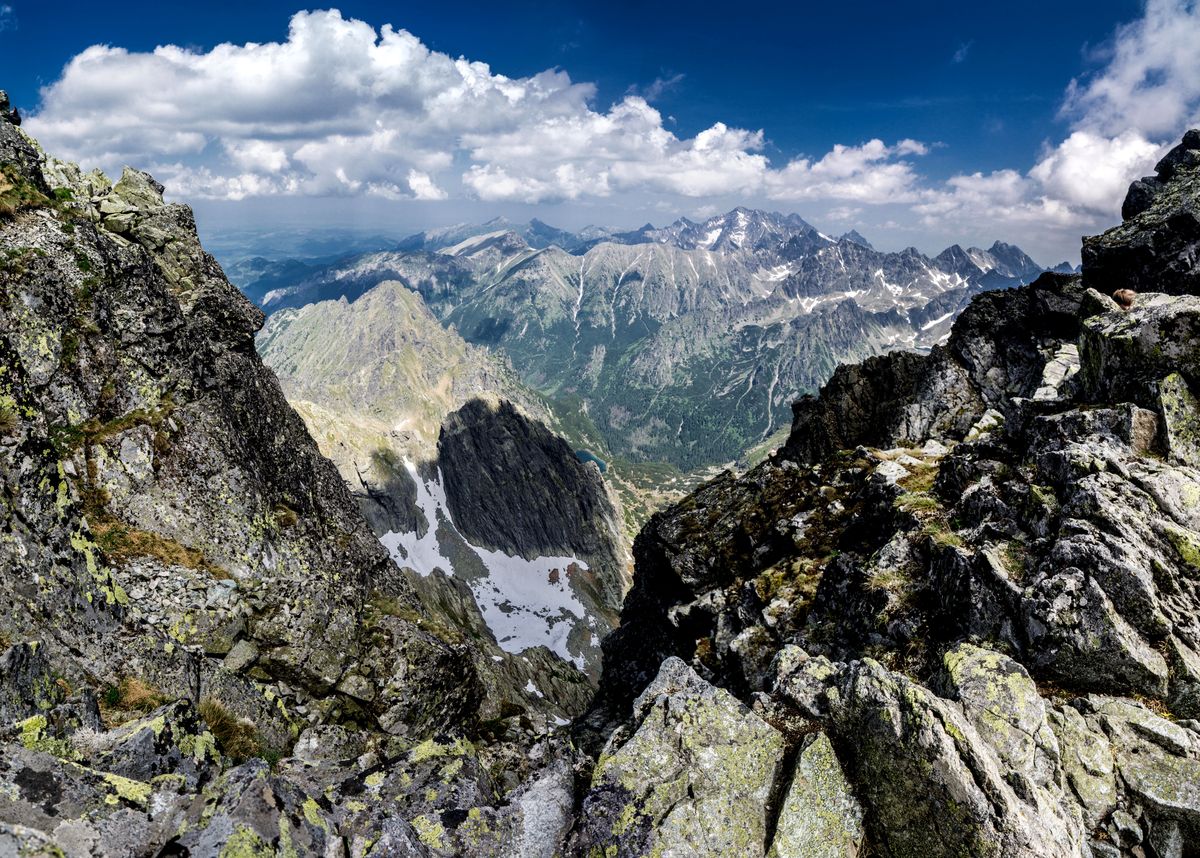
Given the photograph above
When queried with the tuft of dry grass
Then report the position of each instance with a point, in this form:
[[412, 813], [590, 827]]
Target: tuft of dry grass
[[920, 478], [139, 696], [122, 542], [237, 737], [16, 192], [130, 698]]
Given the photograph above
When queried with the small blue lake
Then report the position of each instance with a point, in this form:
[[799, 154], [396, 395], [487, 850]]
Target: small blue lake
[[588, 456]]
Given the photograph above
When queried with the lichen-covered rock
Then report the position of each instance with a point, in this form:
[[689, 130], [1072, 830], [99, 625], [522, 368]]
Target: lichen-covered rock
[[27, 683], [251, 812], [820, 817], [1004, 706], [167, 505], [1180, 411], [74, 808], [1087, 763], [692, 777], [171, 740], [933, 783], [1124, 354]]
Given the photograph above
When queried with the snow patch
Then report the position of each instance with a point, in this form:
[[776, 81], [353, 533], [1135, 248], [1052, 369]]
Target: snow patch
[[525, 603], [933, 323]]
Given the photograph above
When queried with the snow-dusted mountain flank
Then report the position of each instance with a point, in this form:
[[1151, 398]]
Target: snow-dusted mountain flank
[[683, 344]]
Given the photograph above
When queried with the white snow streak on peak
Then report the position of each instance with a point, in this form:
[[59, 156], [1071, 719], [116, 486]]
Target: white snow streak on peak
[[470, 243], [523, 602], [933, 323]]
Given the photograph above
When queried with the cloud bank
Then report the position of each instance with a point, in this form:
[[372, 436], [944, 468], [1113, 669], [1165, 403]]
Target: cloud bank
[[340, 108], [343, 109]]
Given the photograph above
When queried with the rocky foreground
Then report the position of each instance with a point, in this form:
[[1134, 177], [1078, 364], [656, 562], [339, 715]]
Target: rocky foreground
[[956, 614]]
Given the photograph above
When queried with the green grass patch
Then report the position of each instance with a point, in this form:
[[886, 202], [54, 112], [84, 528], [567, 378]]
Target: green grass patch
[[121, 543], [941, 534], [917, 502], [920, 478], [17, 193]]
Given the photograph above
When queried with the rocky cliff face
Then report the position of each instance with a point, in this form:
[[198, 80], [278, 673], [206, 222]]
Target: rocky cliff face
[[157, 479], [513, 485], [1158, 245]]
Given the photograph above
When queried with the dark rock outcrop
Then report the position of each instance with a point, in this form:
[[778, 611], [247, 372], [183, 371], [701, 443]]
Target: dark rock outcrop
[[513, 485], [1157, 248]]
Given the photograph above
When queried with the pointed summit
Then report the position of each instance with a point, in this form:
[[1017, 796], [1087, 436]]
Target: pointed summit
[[856, 237]]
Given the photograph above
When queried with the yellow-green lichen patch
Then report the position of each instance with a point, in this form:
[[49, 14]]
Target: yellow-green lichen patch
[[431, 748], [1186, 544], [432, 833], [35, 737], [286, 848], [312, 812], [245, 843], [474, 828], [134, 792], [201, 746]]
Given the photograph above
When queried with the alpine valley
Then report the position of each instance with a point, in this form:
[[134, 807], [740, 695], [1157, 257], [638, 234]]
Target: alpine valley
[[432, 550]]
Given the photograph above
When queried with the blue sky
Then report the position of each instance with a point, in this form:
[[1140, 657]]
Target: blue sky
[[918, 123]]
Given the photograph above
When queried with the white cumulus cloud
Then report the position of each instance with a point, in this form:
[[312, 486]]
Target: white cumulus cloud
[[870, 173], [341, 108], [1123, 118]]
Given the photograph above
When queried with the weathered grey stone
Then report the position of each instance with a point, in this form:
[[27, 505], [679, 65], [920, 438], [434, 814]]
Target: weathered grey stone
[[1181, 420], [805, 681], [1077, 633], [932, 783], [27, 683], [820, 817], [1124, 354], [1004, 706], [1087, 763], [693, 779], [243, 654]]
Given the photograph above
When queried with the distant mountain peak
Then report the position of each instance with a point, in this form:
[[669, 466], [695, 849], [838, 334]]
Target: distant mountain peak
[[855, 237]]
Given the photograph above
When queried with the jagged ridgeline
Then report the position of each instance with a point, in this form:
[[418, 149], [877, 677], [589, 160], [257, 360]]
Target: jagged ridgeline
[[956, 614]]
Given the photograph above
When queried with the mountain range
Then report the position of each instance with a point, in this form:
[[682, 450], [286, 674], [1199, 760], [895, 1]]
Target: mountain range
[[683, 344]]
